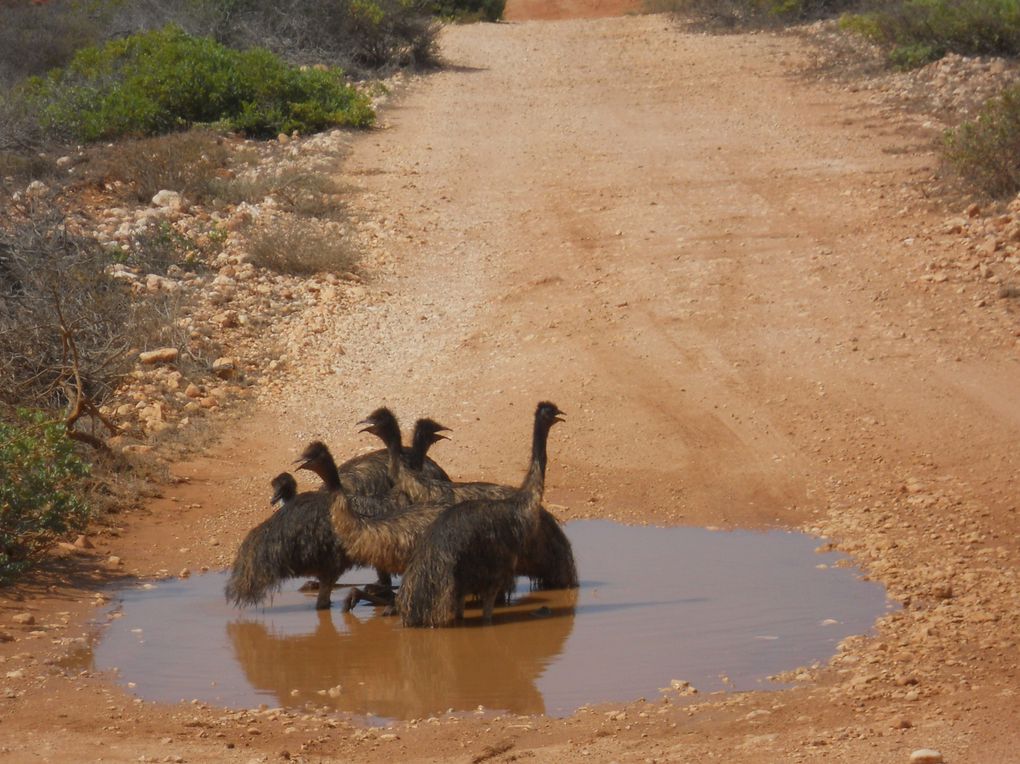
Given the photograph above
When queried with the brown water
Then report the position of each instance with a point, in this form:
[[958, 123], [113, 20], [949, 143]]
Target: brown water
[[721, 610]]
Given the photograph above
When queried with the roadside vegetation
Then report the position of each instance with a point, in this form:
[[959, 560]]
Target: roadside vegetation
[[165, 80], [40, 490], [751, 13], [106, 106], [916, 32], [984, 151]]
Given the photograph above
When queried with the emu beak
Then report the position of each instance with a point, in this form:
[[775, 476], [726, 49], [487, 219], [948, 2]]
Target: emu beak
[[370, 425], [302, 464], [277, 498]]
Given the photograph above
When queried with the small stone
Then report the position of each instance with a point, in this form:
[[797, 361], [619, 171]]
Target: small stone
[[903, 724], [942, 591], [185, 573], [926, 756], [82, 542], [226, 320], [113, 560], [36, 189], [25, 619], [168, 199], [224, 367], [6, 637], [162, 355], [193, 390], [283, 138]]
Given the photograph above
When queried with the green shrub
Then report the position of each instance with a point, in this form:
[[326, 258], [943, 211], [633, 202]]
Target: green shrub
[[986, 151], [361, 34], [752, 12], [387, 32], [468, 10], [39, 476], [919, 31], [165, 80]]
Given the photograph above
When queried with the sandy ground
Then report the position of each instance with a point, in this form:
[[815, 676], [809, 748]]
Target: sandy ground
[[711, 265]]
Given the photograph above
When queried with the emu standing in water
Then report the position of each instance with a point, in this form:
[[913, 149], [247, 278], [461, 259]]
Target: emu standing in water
[[473, 547], [376, 532], [547, 558], [296, 540]]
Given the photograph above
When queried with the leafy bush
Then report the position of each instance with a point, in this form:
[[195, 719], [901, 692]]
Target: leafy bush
[[467, 10], [360, 34], [161, 81], [38, 501], [732, 12], [919, 31], [986, 151]]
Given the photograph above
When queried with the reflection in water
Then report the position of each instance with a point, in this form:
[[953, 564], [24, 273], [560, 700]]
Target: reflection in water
[[655, 604], [385, 670]]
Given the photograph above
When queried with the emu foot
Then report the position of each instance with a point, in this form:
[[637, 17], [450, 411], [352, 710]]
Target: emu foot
[[375, 594], [309, 586]]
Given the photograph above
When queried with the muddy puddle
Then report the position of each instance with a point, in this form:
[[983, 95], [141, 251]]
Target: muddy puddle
[[720, 610]]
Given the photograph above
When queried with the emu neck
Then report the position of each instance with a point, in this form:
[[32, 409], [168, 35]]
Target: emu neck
[[391, 437], [330, 475], [419, 447], [534, 482]]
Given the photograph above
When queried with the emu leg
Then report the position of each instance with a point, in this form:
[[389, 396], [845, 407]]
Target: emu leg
[[325, 589], [488, 604], [384, 578]]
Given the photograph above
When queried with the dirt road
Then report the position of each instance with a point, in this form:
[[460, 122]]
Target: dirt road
[[711, 264]]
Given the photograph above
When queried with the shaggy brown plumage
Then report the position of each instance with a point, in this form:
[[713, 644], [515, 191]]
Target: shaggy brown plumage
[[296, 540], [375, 532], [547, 558], [473, 547]]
